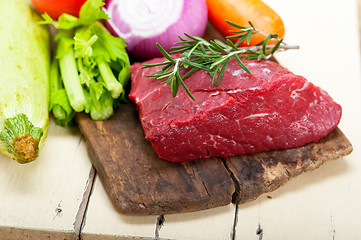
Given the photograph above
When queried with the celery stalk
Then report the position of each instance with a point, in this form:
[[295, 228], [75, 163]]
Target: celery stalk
[[59, 104], [93, 63], [55, 85], [110, 81], [24, 82], [71, 80]]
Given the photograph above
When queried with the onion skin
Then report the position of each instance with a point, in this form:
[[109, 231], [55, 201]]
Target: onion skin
[[141, 40]]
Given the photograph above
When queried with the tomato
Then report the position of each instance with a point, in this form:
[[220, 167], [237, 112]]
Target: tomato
[[57, 7], [241, 12]]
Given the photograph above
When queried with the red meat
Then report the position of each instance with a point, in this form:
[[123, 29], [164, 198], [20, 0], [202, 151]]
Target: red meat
[[271, 108]]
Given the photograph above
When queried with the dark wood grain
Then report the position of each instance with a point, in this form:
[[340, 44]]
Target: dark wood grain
[[264, 172], [140, 183]]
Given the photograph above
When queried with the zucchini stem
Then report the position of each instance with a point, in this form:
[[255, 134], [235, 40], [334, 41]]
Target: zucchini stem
[[21, 138]]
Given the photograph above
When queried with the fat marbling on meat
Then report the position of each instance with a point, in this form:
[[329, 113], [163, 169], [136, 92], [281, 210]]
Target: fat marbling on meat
[[271, 108]]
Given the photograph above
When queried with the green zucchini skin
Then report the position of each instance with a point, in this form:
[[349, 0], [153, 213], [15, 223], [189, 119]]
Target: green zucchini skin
[[24, 80]]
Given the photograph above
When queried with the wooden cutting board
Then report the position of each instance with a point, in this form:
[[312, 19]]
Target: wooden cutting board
[[140, 183]]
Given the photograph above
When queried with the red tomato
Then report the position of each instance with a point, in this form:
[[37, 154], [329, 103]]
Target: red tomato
[[57, 7]]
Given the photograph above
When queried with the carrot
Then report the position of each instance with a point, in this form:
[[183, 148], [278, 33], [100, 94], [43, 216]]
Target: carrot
[[241, 12]]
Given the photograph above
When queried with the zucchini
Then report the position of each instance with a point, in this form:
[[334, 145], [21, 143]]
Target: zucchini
[[24, 83]]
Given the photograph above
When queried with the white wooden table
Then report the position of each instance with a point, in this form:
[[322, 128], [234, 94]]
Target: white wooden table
[[59, 196]]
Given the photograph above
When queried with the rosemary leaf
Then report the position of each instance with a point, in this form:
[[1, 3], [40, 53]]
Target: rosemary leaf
[[192, 50], [241, 64], [212, 56], [260, 56], [167, 68], [218, 62], [265, 44], [196, 65], [216, 47], [215, 73], [235, 25], [175, 86], [249, 22], [249, 36], [235, 36], [164, 75], [203, 50], [241, 39], [220, 43], [230, 43], [155, 64], [154, 74], [221, 73], [165, 53], [195, 38], [184, 86], [169, 80], [276, 46], [190, 72]]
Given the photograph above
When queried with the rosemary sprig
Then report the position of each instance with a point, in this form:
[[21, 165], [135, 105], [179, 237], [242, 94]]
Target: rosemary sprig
[[212, 56]]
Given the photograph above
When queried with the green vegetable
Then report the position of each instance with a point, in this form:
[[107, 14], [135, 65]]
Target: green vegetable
[[24, 82], [59, 104], [93, 65], [212, 56]]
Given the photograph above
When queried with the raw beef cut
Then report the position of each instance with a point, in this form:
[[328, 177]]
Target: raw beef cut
[[271, 108]]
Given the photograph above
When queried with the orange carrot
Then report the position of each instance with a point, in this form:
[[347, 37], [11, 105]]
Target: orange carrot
[[241, 12]]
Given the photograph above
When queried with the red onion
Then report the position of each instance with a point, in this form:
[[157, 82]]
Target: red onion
[[143, 23]]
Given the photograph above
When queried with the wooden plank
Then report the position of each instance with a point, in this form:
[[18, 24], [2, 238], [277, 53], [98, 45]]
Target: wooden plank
[[103, 221], [265, 172], [44, 197], [10, 233], [138, 181], [216, 223]]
